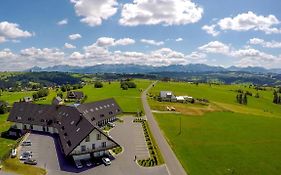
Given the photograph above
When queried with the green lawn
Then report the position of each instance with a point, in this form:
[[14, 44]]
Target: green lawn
[[223, 137], [224, 96], [225, 143], [129, 100], [5, 144]]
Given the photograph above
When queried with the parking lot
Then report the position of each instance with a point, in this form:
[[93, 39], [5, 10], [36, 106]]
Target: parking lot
[[129, 135]]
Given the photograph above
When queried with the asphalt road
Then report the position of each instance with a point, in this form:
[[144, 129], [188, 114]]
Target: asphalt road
[[172, 163]]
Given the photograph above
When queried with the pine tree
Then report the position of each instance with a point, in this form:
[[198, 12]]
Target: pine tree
[[275, 97], [245, 100]]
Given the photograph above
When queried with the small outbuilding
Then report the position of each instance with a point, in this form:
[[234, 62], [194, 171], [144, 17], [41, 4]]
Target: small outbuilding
[[78, 95]]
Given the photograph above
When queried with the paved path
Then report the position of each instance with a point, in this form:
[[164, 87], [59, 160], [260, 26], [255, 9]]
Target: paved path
[[173, 164]]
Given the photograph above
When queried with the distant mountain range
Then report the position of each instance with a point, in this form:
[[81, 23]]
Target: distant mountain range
[[131, 68]]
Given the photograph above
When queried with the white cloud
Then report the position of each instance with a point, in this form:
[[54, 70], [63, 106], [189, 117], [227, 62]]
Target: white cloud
[[69, 46], [245, 57], [166, 12], [215, 47], [107, 42], [152, 42], [6, 53], [76, 55], [93, 12], [179, 39], [253, 57], [211, 30], [2, 39], [263, 43], [46, 54], [250, 21], [74, 36], [124, 41], [62, 22], [12, 31]]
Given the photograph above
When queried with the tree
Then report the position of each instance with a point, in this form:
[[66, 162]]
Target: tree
[[279, 90], [3, 107], [60, 94], [98, 84], [245, 100], [275, 97], [63, 88], [124, 87]]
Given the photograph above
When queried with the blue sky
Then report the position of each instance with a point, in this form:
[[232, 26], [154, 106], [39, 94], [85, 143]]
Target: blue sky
[[145, 32]]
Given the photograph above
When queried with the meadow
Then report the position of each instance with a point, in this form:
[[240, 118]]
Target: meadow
[[222, 137]]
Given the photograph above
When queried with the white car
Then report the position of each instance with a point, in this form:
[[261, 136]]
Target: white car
[[106, 161], [14, 153], [26, 155], [78, 164], [26, 143], [111, 124]]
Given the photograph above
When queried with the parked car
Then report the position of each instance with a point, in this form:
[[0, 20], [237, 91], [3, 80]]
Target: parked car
[[88, 163], [26, 155], [111, 124], [106, 161], [78, 164], [30, 161], [26, 143], [14, 153]]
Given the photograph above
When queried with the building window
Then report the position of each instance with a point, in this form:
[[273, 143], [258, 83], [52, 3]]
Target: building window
[[102, 115], [98, 137], [93, 146], [83, 148], [87, 138], [103, 144], [110, 112], [31, 126]]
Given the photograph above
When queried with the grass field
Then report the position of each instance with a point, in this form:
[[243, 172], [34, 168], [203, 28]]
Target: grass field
[[5, 144], [222, 137], [129, 100]]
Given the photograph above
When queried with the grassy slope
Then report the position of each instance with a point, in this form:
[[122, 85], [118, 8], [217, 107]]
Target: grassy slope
[[220, 141], [15, 166], [245, 141], [224, 97], [4, 143], [129, 100]]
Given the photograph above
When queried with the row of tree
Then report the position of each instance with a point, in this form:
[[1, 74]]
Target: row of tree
[[69, 87], [241, 98], [277, 96], [41, 93], [127, 84]]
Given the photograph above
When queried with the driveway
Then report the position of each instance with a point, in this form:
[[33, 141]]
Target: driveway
[[173, 164], [128, 134]]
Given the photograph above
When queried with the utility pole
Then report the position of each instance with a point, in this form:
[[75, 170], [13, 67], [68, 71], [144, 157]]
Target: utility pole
[[180, 126]]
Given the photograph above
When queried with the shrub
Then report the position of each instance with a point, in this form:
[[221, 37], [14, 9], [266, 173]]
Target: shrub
[[98, 84]]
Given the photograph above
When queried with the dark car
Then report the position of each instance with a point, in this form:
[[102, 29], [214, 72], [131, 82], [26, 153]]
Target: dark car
[[30, 161]]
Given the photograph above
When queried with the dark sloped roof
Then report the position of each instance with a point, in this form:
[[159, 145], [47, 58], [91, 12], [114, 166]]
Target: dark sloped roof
[[72, 127], [34, 114], [101, 110], [73, 124], [75, 94]]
